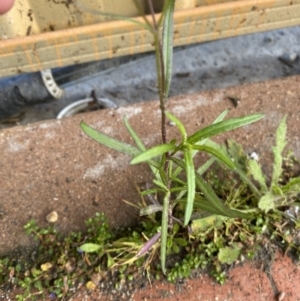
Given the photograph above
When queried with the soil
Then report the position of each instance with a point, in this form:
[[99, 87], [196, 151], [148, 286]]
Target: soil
[[272, 276], [52, 166]]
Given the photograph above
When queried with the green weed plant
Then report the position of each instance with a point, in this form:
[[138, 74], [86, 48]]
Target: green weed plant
[[178, 180], [183, 189], [168, 170], [210, 216]]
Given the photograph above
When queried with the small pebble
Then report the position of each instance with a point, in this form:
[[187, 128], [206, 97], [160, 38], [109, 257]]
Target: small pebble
[[95, 278], [267, 39], [291, 57], [234, 100], [288, 58], [183, 74], [46, 266], [70, 265], [52, 217], [90, 285], [254, 156]]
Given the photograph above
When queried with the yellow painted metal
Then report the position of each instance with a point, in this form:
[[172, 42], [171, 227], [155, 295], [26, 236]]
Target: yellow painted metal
[[91, 38], [31, 17], [185, 4], [209, 2]]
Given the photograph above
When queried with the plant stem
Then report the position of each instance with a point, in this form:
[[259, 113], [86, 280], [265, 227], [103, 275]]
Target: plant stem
[[160, 72], [167, 221], [161, 84], [164, 231], [150, 4]]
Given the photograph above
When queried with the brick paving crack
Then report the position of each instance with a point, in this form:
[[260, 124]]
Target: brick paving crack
[[269, 257]]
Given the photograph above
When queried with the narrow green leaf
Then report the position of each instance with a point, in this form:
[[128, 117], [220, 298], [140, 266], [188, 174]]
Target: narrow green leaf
[[276, 190], [216, 152], [153, 152], [170, 169], [179, 125], [150, 209], [159, 67], [176, 189], [292, 185], [181, 194], [203, 168], [89, 248], [134, 135], [181, 166], [164, 231], [191, 185], [278, 149], [167, 43], [177, 171], [162, 173], [256, 172], [218, 119], [153, 164], [215, 202], [160, 184], [141, 12], [223, 126], [108, 141], [221, 116], [151, 191], [145, 25], [202, 204], [179, 181]]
